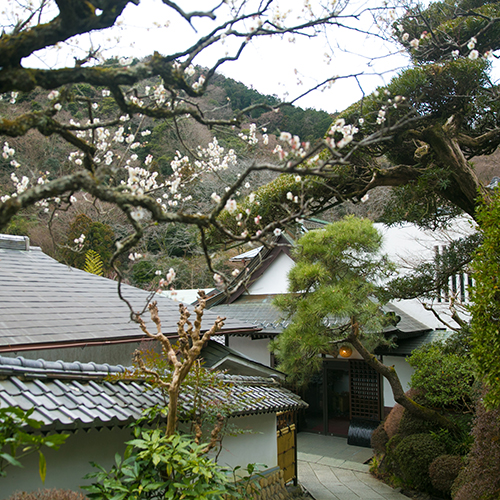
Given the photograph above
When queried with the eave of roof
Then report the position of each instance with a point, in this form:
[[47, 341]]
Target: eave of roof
[[77, 395]]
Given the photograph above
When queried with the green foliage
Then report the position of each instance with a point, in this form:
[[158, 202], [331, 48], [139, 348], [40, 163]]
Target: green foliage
[[173, 240], [445, 378], [333, 282], [16, 442], [456, 444], [99, 237], [93, 263], [20, 225], [485, 308], [158, 467], [452, 23], [143, 272], [414, 455], [409, 425]]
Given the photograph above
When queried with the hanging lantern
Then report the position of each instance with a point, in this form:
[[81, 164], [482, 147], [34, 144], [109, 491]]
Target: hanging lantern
[[345, 351]]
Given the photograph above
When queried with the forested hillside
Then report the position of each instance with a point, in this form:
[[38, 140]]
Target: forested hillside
[[165, 141]]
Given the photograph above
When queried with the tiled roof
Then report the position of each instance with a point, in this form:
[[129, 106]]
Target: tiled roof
[[76, 395], [260, 313], [405, 346], [45, 304]]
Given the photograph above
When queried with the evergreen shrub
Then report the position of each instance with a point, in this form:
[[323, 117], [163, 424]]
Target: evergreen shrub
[[413, 455], [410, 424]]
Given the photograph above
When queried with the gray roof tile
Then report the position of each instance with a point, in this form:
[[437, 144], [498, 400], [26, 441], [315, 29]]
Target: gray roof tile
[[45, 302], [65, 397]]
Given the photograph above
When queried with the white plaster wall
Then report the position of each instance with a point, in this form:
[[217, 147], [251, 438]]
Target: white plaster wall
[[258, 447], [253, 349], [67, 466], [404, 371], [275, 279]]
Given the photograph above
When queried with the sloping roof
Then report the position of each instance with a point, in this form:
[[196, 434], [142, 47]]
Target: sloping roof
[[76, 395], [221, 357], [253, 271], [258, 311], [46, 304], [261, 312], [405, 346], [407, 326]]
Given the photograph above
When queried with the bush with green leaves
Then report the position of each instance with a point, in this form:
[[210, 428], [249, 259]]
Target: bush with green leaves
[[17, 439], [414, 454], [485, 309], [158, 467], [410, 424], [444, 378]]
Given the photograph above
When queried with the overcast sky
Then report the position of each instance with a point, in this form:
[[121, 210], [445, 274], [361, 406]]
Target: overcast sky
[[275, 66]]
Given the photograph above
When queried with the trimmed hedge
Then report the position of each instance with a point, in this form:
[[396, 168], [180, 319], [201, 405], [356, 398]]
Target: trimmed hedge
[[414, 454]]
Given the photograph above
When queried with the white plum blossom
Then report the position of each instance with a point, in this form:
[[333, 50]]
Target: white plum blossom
[[414, 43], [215, 197], [197, 85], [190, 71], [231, 206], [8, 151], [79, 241], [381, 116], [138, 213], [405, 37], [277, 232], [473, 55], [472, 43], [135, 256]]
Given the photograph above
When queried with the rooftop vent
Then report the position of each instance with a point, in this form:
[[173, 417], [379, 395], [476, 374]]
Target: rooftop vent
[[11, 242]]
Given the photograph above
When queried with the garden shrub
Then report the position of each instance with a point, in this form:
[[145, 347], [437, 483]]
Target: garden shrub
[[379, 440], [413, 455], [391, 423], [48, 494], [480, 479], [157, 466], [445, 378], [409, 424], [390, 462], [444, 470]]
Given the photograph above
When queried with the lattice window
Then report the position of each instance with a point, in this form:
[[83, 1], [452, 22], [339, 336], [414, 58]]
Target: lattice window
[[365, 391]]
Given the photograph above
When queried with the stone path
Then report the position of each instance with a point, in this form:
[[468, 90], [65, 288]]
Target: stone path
[[330, 469]]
